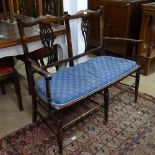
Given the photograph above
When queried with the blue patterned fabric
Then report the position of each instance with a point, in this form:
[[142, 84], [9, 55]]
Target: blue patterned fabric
[[71, 83]]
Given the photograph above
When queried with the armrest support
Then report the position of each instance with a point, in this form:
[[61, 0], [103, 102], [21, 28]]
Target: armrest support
[[39, 69], [43, 73]]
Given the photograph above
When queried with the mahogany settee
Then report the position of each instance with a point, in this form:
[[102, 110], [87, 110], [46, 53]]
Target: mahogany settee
[[59, 91]]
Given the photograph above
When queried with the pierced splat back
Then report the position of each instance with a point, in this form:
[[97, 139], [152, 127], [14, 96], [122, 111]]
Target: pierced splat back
[[47, 38], [42, 56], [85, 28], [86, 22]]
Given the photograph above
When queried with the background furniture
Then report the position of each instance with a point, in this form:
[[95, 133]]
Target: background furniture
[[7, 73], [122, 18], [147, 34], [8, 8], [10, 44], [36, 8], [31, 8]]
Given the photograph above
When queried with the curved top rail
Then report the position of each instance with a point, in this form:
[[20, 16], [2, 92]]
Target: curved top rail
[[56, 19]]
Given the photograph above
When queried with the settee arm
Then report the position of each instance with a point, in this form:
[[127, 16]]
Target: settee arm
[[129, 40], [134, 42]]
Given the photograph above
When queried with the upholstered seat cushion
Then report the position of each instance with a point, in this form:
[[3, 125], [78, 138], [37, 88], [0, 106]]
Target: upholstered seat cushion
[[70, 84]]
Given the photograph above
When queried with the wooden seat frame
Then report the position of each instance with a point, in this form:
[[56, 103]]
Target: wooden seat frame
[[55, 112]]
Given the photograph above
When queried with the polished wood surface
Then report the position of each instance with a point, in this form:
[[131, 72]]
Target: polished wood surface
[[9, 35], [147, 34], [121, 19]]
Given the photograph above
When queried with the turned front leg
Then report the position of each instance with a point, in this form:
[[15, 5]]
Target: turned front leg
[[106, 104], [60, 133], [136, 85]]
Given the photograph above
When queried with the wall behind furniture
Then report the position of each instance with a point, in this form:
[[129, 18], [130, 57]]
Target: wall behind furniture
[[73, 6]]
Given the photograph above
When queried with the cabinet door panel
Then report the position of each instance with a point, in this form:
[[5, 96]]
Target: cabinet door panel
[[117, 19], [94, 36], [117, 25]]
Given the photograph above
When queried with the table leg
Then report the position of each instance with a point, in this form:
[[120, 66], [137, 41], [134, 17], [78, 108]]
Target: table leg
[[40, 9], [11, 10], [17, 6], [4, 10]]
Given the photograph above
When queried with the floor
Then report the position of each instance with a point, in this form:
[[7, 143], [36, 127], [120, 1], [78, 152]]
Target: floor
[[12, 119]]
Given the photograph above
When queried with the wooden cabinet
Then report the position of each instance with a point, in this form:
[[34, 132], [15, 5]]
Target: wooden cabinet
[[122, 18], [147, 34]]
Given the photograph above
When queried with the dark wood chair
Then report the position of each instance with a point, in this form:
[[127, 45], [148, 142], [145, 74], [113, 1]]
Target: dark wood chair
[[64, 89], [7, 73]]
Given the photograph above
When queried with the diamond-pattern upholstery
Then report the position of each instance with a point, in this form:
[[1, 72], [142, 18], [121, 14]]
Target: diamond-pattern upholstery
[[72, 83]]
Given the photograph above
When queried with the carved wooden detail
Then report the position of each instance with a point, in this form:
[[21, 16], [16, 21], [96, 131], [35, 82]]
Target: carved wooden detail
[[47, 38], [85, 27]]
